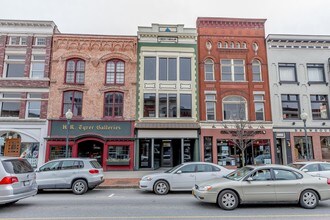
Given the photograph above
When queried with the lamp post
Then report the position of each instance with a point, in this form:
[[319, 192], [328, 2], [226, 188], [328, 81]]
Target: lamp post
[[304, 117], [68, 116]]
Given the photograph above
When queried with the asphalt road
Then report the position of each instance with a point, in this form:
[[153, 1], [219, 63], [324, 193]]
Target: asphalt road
[[136, 204]]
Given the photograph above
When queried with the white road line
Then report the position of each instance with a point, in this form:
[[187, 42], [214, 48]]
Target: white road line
[[111, 195]]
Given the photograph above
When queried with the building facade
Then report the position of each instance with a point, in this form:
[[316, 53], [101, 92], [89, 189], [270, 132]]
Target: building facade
[[25, 50], [94, 77], [167, 110], [234, 94], [299, 83]]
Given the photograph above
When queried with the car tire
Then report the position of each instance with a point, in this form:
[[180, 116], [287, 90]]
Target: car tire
[[79, 187], [228, 200], [161, 187], [309, 199]]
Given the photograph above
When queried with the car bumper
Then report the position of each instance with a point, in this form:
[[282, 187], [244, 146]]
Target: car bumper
[[146, 185], [95, 183], [204, 196], [14, 197]]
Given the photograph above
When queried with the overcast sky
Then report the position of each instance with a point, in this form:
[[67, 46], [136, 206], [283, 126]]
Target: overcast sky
[[122, 17]]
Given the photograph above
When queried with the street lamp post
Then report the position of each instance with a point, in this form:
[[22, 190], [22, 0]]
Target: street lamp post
[[68, 116], [304, 117]]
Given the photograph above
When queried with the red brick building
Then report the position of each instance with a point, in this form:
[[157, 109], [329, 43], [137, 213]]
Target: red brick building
[[234, 91]]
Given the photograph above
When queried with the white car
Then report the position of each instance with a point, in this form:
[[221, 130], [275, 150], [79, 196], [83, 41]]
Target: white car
[[314, 168], [182, 177]]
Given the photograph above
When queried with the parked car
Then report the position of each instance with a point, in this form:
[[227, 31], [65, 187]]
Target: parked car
[[264, 184], [17, 180], [182, 177], [260, 159], [313, 168], [78, 174]]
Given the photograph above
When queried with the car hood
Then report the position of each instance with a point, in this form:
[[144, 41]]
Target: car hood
[[157, 175], [217, 181]]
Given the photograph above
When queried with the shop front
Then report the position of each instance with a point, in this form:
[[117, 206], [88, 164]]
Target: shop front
[[110, 143]]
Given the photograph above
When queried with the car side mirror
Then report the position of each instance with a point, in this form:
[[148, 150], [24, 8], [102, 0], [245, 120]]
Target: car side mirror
[[179, 172], [249, 179], [305, 170]]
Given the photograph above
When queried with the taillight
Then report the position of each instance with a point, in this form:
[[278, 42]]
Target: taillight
[[328, 181], [8, 180], [93, 171]]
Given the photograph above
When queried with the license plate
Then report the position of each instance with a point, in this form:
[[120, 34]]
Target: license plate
[[26, 183]]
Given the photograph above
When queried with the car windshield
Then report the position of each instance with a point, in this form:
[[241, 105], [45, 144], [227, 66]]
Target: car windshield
[[173, 168], [297, 165], [239, 174]]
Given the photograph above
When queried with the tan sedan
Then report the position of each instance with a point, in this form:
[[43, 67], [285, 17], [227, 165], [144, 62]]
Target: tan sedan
[[264, 184]]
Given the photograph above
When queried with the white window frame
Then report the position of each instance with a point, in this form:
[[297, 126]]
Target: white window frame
[[213, 101], [37, 40], [234, 102], [21, 41], [34, 61], [29, 100], [209, 62], [232, 68], [262, 100], [2, 99], [256, 63], [12, 61]]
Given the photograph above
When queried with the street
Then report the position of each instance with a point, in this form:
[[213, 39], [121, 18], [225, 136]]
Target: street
[[136, 204]]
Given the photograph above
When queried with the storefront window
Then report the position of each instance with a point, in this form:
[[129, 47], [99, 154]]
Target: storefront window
[[208, 149], [145, 153], [261, 153], [325, 148], [188, 150], [118, 155], [227, 153], [300, 149], [57, 152], [30, 151]]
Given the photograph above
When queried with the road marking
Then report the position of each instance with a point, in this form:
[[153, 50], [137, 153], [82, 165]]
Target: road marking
[[111, 195]]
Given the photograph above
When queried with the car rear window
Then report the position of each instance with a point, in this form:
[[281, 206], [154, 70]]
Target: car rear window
[[17, 166], [95, 164], [297, 165]]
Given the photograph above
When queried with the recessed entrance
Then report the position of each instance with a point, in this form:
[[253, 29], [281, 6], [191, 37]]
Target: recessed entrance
[[91, 149]]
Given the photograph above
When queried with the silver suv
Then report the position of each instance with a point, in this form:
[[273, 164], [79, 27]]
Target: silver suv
[[78, 174], [17, 180]]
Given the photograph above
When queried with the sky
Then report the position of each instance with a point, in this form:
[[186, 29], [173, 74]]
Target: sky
[[122, 17]]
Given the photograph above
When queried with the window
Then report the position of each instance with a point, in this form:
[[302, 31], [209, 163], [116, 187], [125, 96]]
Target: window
[[232, 70], [325, 166], [259, 107], [232, 45], [73, 100], [33, 105], [149, 109], [315, 72], [10, 104], [15, 66], [210, 107], [290, 107], [261, 175], [206, 168], [185, 105], [150, 68], [167, 69], [256, 71], [287, 72], [312, 167], [238, 45], [75, 71], [72, 164], [115, 72], [188, 168], [325, 147], [244, 45], [40, 41], [38, 66], [113, 104], [51, 166], [234, 108], [57, 152], [118, 154], [17, 40], [167, 105], [185, 68], [300, 148], [219, 44], [209, 69], [285, 175], [208, 149], [319, 106]]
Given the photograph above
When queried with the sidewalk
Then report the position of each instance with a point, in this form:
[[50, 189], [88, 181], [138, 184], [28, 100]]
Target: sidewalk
[[125, 179]]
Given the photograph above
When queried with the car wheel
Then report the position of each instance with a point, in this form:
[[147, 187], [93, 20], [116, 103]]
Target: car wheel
[[309, 199], [161, 187], [228, 200], [79, 187]]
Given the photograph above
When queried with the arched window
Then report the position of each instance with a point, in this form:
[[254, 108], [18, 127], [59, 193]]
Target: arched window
[[226, 45], [244, 45], [256, 70], [72, 100], [75, 71], [238, 45], [113, 104], [209, 69], [115, 72], [234, 108], [232, 45], [219, 44]]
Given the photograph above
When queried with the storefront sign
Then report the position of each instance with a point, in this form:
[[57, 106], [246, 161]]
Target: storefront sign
[[107, 129]]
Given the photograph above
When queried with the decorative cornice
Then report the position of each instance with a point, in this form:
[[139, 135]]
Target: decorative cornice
[[231, 22]]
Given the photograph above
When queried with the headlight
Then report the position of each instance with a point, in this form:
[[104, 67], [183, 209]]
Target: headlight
[[205, 188], [146, 178]]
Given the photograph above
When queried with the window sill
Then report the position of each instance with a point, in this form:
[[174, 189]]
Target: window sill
[[107, 118], [289, 82], [227, 81], [317, 83], [74, 84]]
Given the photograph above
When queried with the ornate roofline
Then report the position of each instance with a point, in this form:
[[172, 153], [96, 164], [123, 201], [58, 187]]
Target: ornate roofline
[[28, 23], [230, 22]]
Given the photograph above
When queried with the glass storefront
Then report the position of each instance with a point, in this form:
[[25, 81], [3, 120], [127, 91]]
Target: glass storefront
[[300, 148], [208, 149], [325, 148], [118, 155], [57, 152]]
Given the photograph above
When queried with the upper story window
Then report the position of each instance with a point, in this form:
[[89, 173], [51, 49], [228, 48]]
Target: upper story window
[[320, 107], [290, 107], [150, 68], [10, 104], [209, 69], [219, 44], [210, 102], [167, 69], [33, 107], [167, 105], [244, 45], [287, 72], [17, 40], [72, 100], [256, 70], [238, 45], [38, 66], [259, 107], [115, 72], [149, 105], [15, 64], [75, 71], [315, 72], [225, 45], [234, 108], [185, 105], [40, 41], [232, 70], [232, 45], [185, 68], [113, 104]]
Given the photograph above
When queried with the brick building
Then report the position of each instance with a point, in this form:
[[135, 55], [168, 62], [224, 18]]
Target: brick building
[[94, 77], [25, 49], [234, 91]]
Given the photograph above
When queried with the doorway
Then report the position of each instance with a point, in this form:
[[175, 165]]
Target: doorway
[[166, 154], [91, 149]]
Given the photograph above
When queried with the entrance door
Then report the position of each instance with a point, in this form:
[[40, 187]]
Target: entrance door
[[91, 149], [167, 154]]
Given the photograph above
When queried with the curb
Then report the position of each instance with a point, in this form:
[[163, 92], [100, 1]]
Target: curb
[[118, 187]]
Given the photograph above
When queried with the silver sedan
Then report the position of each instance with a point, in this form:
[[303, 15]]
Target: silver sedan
[[182, 177], [264, 184]]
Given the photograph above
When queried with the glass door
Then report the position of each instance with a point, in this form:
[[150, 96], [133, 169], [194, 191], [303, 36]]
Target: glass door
[[145, 153], [167, 154]]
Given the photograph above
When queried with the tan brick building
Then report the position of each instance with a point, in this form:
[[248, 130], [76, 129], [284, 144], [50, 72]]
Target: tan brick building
[[95, 77]]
